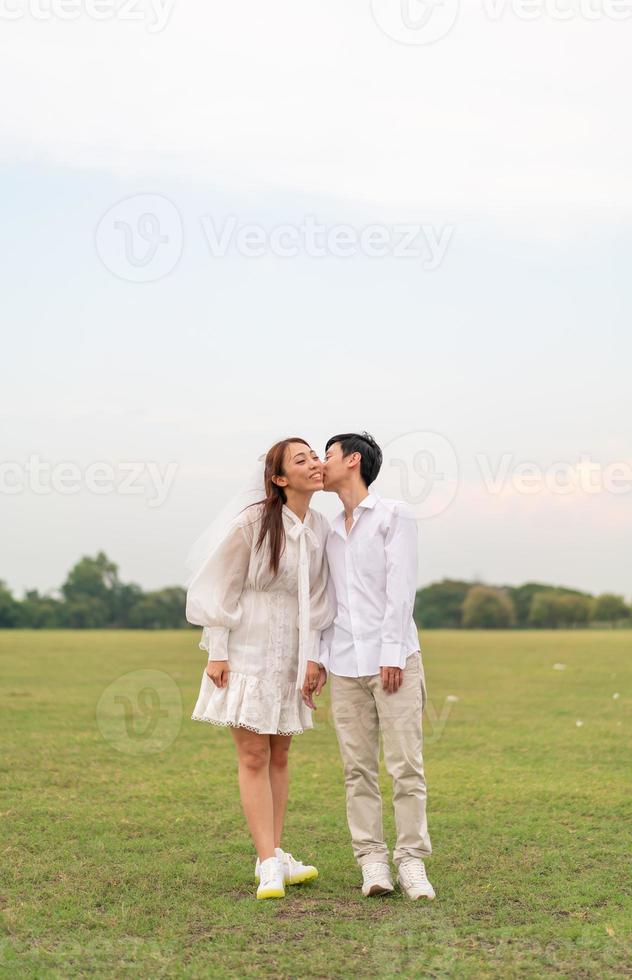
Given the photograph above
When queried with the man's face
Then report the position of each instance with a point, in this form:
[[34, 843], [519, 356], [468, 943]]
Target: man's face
[[335, 468]]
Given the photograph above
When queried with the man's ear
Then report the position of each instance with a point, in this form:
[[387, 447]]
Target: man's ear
[[354, 458]]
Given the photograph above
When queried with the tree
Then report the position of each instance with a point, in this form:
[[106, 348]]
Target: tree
[[574, 610], [544, 611], [609, 608], [160, 610], [85, 613], [440, 605], [123, 600], [556, 607], [95, 595], [488, 608], [40, 611], [93, 577], [523, 595], [9, 607]]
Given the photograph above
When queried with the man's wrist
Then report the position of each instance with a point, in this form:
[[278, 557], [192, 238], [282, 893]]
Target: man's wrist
[[391, 655]]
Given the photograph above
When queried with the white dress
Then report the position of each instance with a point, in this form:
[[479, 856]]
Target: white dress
[[255, 621]]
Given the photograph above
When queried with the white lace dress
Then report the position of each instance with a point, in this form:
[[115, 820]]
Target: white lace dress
[[260, 623]]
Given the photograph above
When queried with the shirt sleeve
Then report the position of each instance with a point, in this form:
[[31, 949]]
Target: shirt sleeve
[[322, 611], [213, 596], [401, 585], [327, 635]]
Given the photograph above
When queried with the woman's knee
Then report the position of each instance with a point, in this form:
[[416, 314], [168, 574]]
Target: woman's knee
[[279, 753], [254, 753]]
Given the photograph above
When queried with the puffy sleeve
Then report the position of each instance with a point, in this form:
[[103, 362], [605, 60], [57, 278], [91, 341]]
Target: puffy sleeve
[[213, 596], [322, 610]]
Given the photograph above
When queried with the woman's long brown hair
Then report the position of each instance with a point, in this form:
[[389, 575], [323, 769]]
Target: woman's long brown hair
[[272, 521]]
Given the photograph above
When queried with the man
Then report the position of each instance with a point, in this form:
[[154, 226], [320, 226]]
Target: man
[[373, 655]]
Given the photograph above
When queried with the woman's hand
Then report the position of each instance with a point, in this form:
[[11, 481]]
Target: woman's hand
[[315, 680], [217, 670]]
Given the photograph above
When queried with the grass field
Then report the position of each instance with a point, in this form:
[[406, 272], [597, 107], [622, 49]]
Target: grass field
[[125, 852]]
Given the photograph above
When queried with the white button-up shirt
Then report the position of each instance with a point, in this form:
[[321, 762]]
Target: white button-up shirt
[[372, 583]]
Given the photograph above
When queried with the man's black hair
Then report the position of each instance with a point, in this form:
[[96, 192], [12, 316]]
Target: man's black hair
[[365, 444]]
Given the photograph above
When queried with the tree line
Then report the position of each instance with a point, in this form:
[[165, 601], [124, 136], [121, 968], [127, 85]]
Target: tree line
[[93, 597], [451, 604]]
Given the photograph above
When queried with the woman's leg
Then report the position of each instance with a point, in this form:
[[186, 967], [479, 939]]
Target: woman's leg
[[253, 754], [279, 781]]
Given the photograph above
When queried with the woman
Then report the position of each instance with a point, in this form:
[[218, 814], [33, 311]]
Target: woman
[[262, 597]]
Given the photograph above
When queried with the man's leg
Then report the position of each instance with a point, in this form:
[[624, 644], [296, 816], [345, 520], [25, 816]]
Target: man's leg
[[356, 722], [400, 724]]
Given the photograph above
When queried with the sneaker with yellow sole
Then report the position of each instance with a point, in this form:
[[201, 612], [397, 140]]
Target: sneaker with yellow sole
[[294, 872], [271, 879]]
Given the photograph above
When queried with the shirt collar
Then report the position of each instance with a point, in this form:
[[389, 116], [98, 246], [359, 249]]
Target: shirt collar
[[368, 503]]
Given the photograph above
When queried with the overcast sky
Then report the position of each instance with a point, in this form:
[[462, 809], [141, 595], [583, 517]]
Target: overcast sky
[[225, 225]]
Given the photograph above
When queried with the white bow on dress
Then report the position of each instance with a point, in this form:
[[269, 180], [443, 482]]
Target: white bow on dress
[[306, 539]]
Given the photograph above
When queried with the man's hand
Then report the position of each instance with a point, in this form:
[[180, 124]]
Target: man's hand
[[392, 678], [315, 680], [217, 670]]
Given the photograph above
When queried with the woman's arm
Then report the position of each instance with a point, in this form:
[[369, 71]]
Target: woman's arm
[[322, 612], [213, 596]]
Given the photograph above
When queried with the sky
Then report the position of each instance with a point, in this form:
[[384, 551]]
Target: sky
[[226, 225]]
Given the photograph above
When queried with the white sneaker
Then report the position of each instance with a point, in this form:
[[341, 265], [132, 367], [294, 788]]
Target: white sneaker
[[271, 879], [376, 879], [294, 872], [411, 875]]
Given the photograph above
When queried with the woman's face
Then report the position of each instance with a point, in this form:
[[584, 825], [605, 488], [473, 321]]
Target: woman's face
[[303, 469]]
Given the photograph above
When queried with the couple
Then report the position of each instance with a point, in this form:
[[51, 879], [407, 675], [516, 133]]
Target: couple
[[286, 600]]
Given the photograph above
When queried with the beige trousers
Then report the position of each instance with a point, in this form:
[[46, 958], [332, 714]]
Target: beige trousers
[[361, 709]]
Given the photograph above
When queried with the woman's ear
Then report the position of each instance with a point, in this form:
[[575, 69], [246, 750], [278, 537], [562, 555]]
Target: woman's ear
[[279, 481]]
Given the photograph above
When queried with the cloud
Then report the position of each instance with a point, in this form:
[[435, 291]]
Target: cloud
[[499, 113]]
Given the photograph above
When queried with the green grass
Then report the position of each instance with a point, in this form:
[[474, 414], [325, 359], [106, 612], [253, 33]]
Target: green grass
[[125, 852]]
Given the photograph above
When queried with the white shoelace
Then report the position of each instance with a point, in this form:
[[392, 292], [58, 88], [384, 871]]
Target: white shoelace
[[415, 872], [372, 872], [270, 872]]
